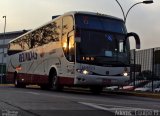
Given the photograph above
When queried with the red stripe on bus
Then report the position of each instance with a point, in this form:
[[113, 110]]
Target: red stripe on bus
[[37, 79], [66, 80]]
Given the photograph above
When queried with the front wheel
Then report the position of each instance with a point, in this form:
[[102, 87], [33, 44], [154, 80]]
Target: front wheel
[[96, 89], [54, 82], [18, 84]]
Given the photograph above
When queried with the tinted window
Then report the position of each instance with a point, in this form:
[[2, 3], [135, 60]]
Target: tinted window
[[44, 35], [100, 23], [15, 47]]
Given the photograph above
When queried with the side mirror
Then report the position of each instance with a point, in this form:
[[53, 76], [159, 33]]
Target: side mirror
[[136, 39]]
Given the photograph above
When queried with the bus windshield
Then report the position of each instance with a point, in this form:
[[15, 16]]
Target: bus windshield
[[102, 41], [100, 23]]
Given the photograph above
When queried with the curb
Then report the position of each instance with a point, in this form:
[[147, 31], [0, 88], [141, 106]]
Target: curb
[[138, 94], [12, 85], [6, 85], [150, 95]]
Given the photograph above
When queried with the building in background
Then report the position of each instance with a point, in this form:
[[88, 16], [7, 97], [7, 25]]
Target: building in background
[[4, 39]]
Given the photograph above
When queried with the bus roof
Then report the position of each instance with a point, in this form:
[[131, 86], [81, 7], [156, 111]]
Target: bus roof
[[70, 13], [91, 13]]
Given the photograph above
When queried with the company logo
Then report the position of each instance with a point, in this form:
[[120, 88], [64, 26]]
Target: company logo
[[109, 37], [27, 56]]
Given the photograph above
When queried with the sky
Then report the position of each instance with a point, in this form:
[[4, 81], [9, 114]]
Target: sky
[[144, 19]]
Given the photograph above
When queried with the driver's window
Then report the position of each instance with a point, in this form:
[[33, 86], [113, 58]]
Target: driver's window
[[121, 46]]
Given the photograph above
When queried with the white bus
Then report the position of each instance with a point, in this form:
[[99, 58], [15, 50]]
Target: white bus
[[75, 49]]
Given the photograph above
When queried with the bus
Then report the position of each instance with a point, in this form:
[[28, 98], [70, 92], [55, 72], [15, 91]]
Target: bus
[[82, 49]]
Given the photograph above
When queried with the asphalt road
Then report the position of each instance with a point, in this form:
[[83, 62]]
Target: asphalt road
[[37, 102]]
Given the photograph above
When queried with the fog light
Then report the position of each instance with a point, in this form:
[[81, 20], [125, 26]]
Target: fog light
[[125, 74]]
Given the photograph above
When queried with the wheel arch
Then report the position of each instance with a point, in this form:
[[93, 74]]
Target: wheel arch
[[53, 69], [53, 78]]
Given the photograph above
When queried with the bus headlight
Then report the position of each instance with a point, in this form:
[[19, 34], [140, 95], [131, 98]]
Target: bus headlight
[[84, 71], [125, 74]]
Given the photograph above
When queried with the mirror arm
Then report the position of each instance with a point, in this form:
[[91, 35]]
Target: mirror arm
[[136, 39]]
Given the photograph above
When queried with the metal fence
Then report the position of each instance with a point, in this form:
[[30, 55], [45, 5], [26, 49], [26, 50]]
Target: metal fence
[[145, 64]]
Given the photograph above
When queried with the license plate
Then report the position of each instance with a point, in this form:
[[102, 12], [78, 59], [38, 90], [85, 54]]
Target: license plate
[[106, 81]]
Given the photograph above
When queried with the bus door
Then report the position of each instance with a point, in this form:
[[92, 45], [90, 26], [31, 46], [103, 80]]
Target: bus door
[[68, 46]]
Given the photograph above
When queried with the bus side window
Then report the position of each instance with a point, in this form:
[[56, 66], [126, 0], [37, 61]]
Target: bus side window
[[32, 43], [15, 47]]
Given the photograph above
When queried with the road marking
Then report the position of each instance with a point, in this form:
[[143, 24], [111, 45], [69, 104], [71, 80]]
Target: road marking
[[33, 93], [123, 110], [93, 105], [123, 107], [110, 107]]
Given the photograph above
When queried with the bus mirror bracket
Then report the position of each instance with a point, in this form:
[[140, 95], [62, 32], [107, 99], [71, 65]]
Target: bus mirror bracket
[[137, 39]]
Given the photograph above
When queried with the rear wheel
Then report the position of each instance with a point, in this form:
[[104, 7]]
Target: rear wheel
[[44, 87], [17, 83]]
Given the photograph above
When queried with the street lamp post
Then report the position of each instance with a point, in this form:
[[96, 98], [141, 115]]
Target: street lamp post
[[125, 16], [121, 9], [3, 48]]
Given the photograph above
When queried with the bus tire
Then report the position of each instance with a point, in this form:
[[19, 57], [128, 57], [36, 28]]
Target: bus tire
[[44, 87], [17, 83], [96, 89], [54, 81]]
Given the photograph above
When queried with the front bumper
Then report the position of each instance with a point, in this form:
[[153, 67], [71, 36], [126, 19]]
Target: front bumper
[[101, 80]]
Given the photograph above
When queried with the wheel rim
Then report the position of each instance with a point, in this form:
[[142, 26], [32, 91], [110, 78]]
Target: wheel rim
[[15, 82], [54, 81]]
